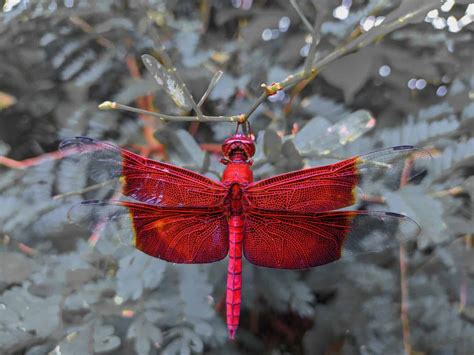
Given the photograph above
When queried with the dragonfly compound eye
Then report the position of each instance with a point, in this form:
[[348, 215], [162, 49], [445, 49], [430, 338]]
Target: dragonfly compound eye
[[238, 142]]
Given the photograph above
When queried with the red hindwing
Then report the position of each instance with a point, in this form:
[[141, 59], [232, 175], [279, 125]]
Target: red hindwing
[[187, 235]]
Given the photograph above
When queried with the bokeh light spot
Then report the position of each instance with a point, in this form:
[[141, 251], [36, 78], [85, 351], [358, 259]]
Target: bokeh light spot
[[385, 70]]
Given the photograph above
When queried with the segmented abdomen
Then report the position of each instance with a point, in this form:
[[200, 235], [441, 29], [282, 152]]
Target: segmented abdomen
[[234, 274]]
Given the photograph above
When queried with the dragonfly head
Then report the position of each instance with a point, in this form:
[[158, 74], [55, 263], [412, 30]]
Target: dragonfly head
[[238, 145]]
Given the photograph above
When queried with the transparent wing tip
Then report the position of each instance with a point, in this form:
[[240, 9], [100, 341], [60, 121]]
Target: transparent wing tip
[[404, 147], [105, 219], [408, 228], [83, 213], [375, 231], [417, 153], [93, 202], [420, 159], [76, 143]]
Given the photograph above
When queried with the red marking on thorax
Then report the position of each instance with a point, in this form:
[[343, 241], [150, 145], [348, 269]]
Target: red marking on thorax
[[237, 172]]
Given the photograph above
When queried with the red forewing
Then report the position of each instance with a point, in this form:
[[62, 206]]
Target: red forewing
[[143, 179], [297, 240], [337, 185], [180, 235]]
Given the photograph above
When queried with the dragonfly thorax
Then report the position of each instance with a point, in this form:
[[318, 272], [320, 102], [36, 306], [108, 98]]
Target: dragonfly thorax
[[234, 200]]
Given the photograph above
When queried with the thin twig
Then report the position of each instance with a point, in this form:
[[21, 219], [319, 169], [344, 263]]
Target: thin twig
[[81, 191], [23, 164], [25, 249], [453, 191], [301, 15], [193, 127], [356, 44], [212, 84], [87, 28], [108, 105], [315, 37], [196, 109], [255, 105], [373, 199], [404, 272], [367, 38]]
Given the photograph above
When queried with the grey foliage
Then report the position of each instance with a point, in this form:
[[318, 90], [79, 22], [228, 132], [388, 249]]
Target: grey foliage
[[145, 335], [91, 338], [272, 286], [65, 290], [14, 268], [186, 151], [411, 202], [136, 273], [24, 317]]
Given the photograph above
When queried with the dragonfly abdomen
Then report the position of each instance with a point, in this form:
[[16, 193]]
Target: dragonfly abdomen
[[234, 274]]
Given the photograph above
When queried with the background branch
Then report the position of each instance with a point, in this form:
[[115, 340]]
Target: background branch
[[315, 38], [301, 15], [212, 84], [311, 68]]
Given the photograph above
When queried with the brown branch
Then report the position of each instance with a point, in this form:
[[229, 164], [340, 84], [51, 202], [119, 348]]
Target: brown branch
[[404, 272], [23, 164], [25, 249], [87, 28]]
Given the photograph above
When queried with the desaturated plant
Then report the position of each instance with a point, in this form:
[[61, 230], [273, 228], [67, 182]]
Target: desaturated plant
[[335, 88]]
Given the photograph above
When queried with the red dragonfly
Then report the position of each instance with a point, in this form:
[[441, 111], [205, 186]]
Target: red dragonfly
[[289, 221]]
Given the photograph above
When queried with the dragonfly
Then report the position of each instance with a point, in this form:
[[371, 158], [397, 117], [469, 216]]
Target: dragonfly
[[295, 220]]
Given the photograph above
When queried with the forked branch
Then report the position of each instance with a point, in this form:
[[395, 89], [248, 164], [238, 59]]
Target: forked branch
[[168, 78], [108, 105]]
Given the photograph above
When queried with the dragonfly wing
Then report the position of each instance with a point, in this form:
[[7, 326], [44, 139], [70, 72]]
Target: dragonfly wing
[[297, 240], [181, 235], [143, 179], [337, 185]]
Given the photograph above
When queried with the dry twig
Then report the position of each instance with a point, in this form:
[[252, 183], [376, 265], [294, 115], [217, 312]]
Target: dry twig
[[312, 66]]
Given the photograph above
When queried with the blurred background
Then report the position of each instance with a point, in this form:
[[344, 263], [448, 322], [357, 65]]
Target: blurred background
[[64, 290]]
